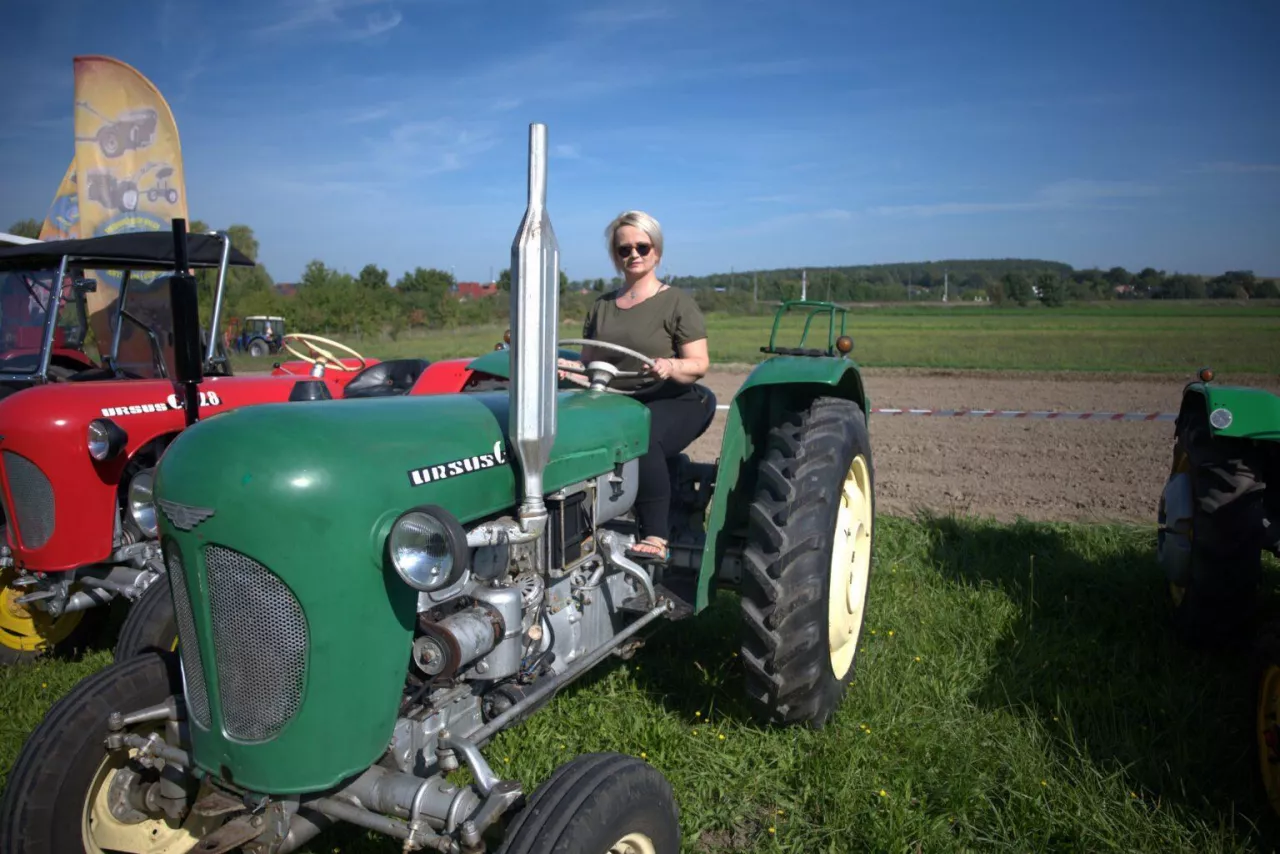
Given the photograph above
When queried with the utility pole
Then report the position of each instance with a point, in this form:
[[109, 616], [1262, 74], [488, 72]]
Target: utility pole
[[804, 284], [946, 278]]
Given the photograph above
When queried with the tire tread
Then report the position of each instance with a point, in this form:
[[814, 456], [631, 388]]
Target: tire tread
[[786, 560]]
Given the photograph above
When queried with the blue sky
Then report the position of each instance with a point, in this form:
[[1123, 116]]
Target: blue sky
[[760, 134]]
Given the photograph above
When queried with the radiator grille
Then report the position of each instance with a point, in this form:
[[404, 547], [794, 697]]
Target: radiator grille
[[32, 500], [188, 643], [260, 634]]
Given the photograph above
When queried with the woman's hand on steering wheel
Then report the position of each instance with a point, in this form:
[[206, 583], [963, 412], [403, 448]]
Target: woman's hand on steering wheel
[[574, 376], [662, 368], [645, 375]]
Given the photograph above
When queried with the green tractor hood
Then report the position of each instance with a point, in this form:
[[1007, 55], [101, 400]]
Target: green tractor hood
[[1239, 411], [274, 520]]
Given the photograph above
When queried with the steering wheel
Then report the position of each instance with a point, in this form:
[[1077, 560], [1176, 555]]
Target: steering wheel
[[602, 373], [326, 358]]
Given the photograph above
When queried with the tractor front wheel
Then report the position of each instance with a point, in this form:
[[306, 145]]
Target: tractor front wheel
[[603, 803], [808, 563], [59, 796], [151, 624], [28, 632]]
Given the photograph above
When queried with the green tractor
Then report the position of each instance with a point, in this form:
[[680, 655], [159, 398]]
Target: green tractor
[[1219, 513], [368, 591]]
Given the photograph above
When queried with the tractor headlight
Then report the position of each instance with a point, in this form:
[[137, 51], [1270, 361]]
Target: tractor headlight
[[428, 548], [142, 505], [105, 439]]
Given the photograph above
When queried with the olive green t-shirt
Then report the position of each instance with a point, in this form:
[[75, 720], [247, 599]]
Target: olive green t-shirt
[[656, 327]]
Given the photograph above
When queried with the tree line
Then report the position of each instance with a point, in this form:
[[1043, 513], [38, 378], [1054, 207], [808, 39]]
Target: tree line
[[328, 300]]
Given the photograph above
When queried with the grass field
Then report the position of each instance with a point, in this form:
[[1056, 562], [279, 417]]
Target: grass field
[[1018, 690], [1129, 336]]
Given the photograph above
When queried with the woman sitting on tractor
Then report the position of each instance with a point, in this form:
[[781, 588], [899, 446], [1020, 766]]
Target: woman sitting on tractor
[[666, 325]]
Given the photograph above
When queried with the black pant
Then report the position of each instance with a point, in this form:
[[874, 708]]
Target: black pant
[[674, 423]]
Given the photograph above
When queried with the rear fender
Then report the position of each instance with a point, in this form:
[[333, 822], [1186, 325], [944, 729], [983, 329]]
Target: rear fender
[[1236, 411], [776, 388]]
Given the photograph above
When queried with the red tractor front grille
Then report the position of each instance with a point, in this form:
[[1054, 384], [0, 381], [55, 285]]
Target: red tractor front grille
[[31, 511]]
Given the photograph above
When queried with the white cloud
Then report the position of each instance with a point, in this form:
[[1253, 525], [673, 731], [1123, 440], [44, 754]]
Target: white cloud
[[779, 223], [615, 17], [337, 18], [1068, 194], [566, 151], [781, 199], [1236, 168]]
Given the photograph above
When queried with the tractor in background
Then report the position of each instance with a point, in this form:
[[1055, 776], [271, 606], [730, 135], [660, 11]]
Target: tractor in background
[[258, 335], [368, 591], [1218, 516]]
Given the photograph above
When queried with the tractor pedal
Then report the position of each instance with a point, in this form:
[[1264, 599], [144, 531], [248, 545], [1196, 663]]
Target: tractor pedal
[[634, 605]]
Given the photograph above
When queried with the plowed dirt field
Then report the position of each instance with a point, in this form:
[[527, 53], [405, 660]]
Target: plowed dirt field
[[1004, 468]]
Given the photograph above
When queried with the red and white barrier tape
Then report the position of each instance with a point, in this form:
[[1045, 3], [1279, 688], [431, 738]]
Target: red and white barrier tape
[[1050, 415], [1039, 414]]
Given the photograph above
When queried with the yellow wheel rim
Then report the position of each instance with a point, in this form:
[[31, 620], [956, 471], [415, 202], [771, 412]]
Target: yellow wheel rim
[[850, 568], [633, 843], [103, 833], [27, 628], [1268, 734]]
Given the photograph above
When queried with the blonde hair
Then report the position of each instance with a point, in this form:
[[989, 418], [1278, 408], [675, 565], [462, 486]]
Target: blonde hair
[[635, 219]]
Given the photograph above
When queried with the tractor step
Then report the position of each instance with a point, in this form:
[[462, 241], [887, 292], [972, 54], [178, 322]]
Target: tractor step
[[682, 595]]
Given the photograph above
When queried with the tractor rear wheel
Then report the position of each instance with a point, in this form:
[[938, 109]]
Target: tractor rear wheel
[[602, 803], [808, 563], [58, 798], [1266, 704], [151, 624], [1212, 589]]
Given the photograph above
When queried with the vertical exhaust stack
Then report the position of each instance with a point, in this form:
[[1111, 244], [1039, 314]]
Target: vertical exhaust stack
[[535, 312]]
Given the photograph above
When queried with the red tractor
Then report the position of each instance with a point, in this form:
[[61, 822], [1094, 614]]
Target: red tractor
[[77, 449]]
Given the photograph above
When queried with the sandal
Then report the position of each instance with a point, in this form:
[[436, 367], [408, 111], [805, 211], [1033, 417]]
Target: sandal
[[646, 550]]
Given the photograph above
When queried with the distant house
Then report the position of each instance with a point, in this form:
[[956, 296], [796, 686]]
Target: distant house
[[285, 289], [474, 290]]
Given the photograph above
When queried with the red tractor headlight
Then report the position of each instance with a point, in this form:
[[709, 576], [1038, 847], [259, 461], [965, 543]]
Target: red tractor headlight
[[106, 439]]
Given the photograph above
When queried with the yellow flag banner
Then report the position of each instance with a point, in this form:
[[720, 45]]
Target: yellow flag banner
[[129, 177], [63, 220]]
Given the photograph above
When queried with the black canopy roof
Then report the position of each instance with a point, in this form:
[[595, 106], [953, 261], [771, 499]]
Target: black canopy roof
[[134, 250]]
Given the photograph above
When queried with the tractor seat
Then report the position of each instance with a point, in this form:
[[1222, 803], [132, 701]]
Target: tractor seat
[[386, 379], [708, 399]]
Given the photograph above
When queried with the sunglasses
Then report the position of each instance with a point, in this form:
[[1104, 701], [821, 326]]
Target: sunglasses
[[624, 251]]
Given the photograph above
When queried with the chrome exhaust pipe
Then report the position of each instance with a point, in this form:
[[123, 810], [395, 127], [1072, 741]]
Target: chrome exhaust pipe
[[535, 312]]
